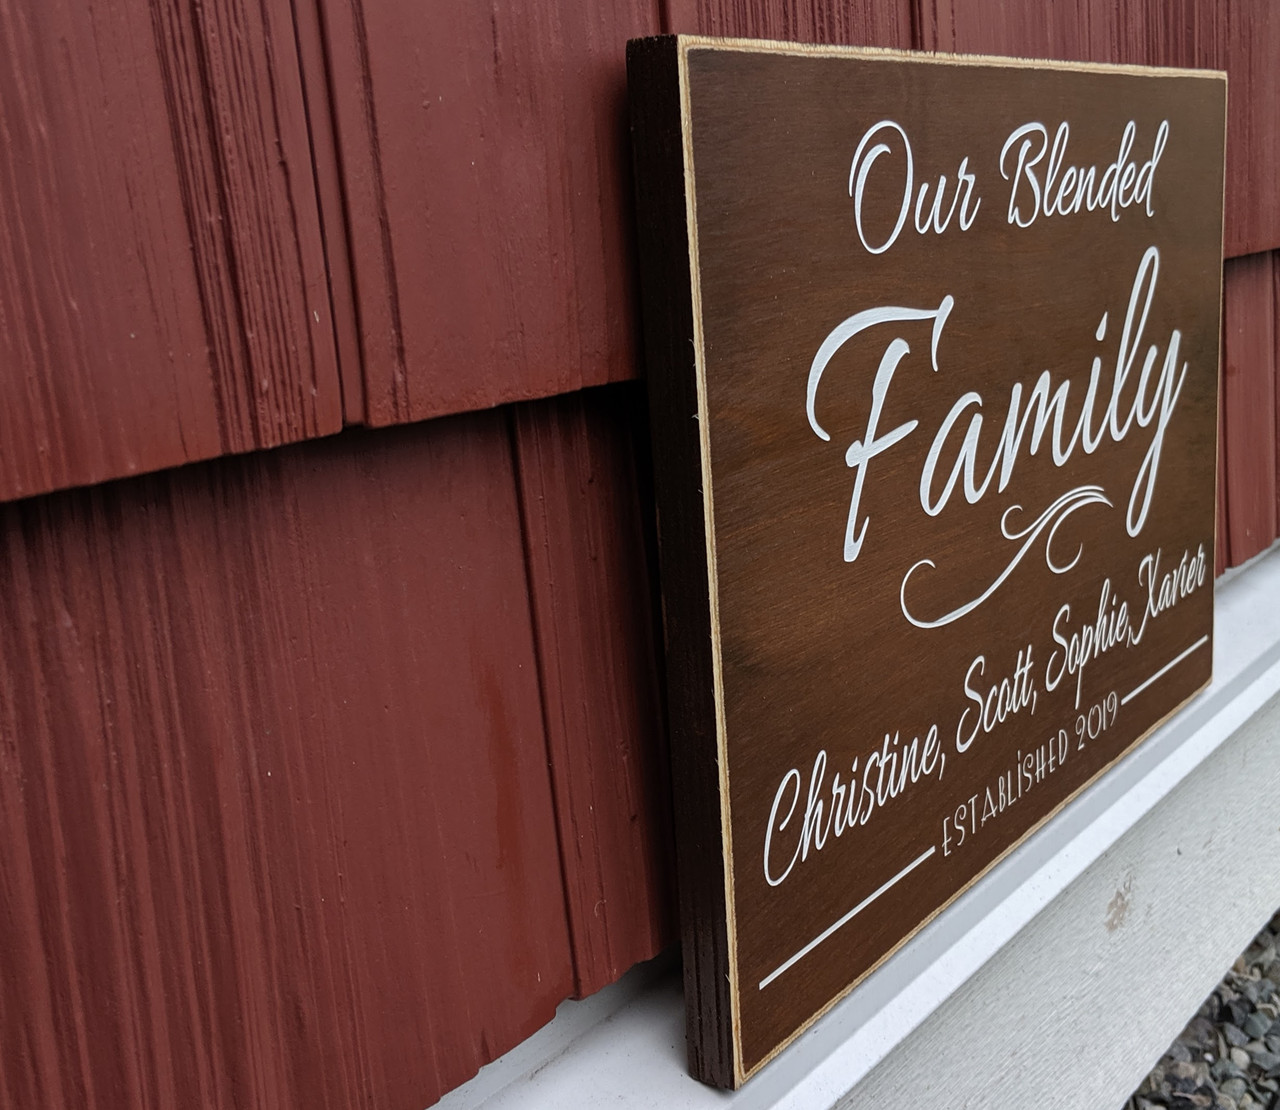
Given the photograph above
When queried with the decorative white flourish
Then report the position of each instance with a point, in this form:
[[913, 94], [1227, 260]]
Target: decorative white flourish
[[1051, 518]]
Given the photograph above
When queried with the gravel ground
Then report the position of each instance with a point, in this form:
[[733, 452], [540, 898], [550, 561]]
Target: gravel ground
[[1228, 1057]]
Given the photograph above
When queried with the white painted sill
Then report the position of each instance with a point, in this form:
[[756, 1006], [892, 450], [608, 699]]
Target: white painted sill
[[624, 1047]]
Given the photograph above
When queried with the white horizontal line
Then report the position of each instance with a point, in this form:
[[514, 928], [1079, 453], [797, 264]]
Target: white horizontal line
[[1165, 669], [846, 919]]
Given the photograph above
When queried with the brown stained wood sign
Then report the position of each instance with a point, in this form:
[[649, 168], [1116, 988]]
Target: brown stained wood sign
[[933, 352]]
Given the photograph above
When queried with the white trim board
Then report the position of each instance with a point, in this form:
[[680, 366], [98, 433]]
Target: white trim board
[[624, 1047]]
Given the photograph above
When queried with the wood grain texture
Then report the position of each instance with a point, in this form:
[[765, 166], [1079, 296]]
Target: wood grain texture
[[274, 795], [1240, 36], [162, 285], [652, 65], [590, 547], [1220, 544], [1253, 124], [1249, 404], [867, 23], [485, 169], [326, 162], [1275, 325], [856, 648]]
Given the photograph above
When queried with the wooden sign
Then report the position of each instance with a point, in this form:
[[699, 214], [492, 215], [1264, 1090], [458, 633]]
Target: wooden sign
[[933, 351]]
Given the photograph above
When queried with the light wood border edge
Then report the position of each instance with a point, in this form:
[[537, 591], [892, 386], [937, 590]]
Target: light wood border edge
[[926, 57], [713, 589]]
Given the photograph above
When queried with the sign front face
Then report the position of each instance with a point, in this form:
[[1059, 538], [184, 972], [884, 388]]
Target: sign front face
[[956, 333]]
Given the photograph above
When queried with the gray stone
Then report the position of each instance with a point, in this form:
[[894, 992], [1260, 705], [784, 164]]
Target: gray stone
[[1180, 1069], [1233, 1088], [1179, 1053], [1226, 1069], [1236, 1037], [1239, 1057], [1199, 1031], [1264, 1059], [1235, 1012], [1257, 1025]]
